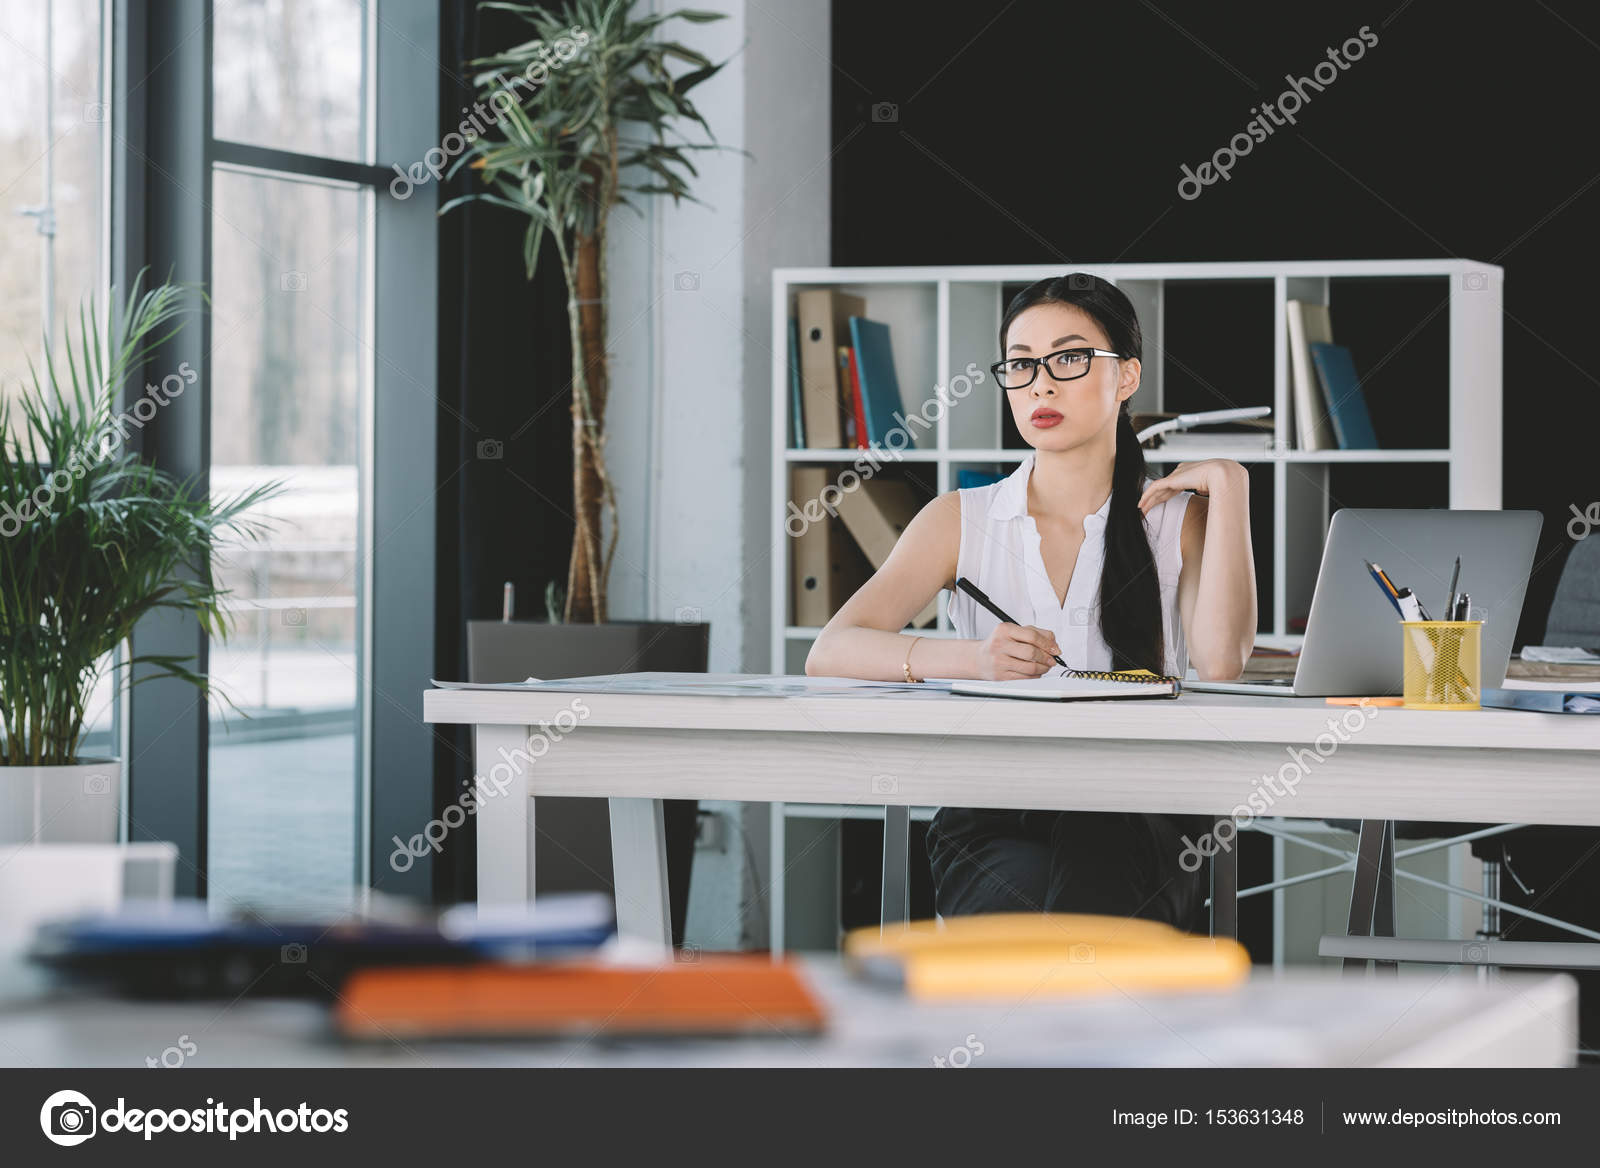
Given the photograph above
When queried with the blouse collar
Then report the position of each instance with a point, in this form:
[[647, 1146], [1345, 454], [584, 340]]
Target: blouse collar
[[1010, 500]]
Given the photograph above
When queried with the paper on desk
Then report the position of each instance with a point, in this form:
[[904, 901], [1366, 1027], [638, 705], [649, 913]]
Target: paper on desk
[[705, 685], [1560, 655]]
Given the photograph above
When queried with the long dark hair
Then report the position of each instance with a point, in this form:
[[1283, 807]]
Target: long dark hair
[[1130, 592]]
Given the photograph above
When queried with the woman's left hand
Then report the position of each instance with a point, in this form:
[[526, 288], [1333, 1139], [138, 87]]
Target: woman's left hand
[[1213, 476]]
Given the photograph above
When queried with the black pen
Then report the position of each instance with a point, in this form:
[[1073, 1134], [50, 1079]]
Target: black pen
[[977, 594]]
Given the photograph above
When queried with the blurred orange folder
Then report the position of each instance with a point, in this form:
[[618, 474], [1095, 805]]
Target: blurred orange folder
[[1043, 954], [712, 995]]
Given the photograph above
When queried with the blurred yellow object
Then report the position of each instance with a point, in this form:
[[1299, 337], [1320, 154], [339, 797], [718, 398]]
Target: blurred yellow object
[[1009, 954]]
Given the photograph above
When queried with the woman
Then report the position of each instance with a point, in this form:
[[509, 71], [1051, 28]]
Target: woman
[[1113, 570]]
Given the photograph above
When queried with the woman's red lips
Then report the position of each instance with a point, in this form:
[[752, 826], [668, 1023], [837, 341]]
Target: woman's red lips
[[1044, 418]]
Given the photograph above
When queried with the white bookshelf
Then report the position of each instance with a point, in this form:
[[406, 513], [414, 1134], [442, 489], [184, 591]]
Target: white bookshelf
[[942, 319]]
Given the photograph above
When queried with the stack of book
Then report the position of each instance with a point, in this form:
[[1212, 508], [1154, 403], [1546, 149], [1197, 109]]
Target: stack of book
[[844, 394]]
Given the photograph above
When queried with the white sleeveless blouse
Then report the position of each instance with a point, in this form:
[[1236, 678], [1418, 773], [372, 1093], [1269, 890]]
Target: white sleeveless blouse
[[1000, 554]]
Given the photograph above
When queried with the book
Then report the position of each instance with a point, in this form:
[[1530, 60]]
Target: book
[[1057, 686], [823, 319], [1194, 445], [966, 479], [856, 425], [880, 391], [857, 403], [875, 514], [797, 419], [1347, 406], [1045, 954], [715, 994], [1308, 324], [1549, 701]]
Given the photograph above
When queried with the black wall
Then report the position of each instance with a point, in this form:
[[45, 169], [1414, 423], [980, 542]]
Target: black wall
[[505, 454], [1040, 132]]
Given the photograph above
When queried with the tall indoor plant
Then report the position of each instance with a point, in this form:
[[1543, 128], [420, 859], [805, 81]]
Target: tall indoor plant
[[580, 115], [92, 539]]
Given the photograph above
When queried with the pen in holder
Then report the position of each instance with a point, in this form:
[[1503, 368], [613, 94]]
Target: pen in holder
[[1443, 664]]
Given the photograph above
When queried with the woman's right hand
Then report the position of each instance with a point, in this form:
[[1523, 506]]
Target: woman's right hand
[[1016, 651]]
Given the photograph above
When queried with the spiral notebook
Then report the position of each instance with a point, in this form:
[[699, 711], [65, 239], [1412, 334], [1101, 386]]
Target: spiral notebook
[[1059, 685]]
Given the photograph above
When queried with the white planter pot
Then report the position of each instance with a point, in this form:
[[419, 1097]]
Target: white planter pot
[[77, 804]]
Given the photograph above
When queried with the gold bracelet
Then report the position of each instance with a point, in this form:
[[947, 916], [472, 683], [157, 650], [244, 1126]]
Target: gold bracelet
[[906, 668]]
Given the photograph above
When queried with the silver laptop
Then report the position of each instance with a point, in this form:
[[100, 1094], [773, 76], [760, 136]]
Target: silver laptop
[[1352, 641]]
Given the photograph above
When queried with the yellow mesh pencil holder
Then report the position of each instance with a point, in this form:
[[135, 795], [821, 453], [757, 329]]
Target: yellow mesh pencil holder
[[1443, 664]]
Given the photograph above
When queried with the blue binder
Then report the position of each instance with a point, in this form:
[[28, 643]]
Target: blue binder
[[880, 392], [797, 415], [1347, 407]]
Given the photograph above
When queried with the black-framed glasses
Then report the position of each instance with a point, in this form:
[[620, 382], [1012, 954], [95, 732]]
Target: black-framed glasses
[[1062, 365]]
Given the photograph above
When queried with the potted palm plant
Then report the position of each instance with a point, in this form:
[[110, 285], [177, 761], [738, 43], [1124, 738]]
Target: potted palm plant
[[581, 116], [586, 113], [92, 539]]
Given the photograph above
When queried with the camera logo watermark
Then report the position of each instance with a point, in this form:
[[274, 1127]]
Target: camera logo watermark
[[483, 787], [1269, 788], [870, 461], [68, 1118], [1269, 115]]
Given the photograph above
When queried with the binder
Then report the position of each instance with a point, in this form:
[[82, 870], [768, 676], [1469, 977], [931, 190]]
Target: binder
[[875, 514], [824, 320], [826, 567], [1308, 324], [1347, 406], [880, 389], [796, 417]]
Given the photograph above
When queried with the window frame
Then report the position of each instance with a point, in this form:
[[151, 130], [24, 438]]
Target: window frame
[[161, 167]]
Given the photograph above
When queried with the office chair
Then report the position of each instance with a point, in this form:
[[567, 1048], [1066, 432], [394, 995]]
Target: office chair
[[1574, 620]]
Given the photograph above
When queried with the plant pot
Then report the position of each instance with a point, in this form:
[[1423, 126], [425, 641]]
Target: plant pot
[[581, 828], [75, 804]]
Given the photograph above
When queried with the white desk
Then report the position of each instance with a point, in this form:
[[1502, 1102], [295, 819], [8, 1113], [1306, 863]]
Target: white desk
[[1204, 753], [1309, 1019]]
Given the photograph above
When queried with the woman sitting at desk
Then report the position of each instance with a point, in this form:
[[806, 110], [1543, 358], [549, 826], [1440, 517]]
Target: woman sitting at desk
[[1115, 571]]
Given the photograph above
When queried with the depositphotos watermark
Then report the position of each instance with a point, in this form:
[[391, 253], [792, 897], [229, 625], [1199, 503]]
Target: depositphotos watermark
[[483, 114], [961, 1056], [69, 1118], [108, 441], [1269, 115], [482, 787], [1269, 788], [870, 461], [1583, 522]]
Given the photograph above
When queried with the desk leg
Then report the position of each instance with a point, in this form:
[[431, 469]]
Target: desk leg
[[1383, 906], [639, 864], [1364, 890], [505, 816], [896, 865], [1225, 881]]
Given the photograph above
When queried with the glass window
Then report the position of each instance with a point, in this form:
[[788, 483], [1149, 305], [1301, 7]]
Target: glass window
[[292, 75], [288, 367], [52, 139]]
